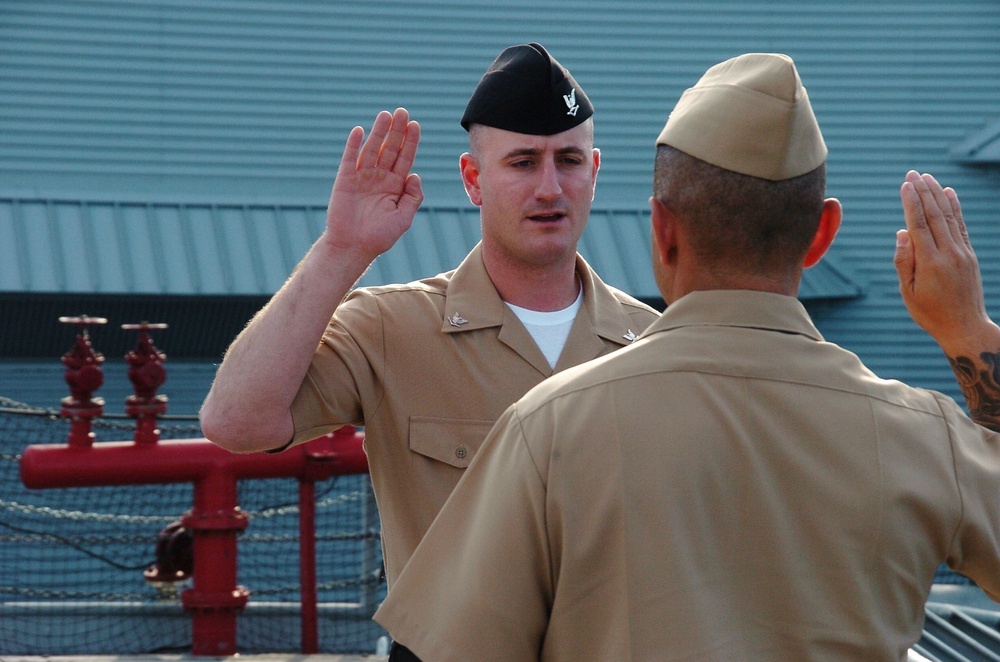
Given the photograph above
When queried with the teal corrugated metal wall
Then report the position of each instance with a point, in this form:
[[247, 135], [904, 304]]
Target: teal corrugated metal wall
[[249, 103]]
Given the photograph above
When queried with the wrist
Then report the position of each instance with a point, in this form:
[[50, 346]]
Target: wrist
[[971, 343]]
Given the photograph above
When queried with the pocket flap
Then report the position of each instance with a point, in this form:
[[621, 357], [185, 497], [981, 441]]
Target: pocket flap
[[450, 440]]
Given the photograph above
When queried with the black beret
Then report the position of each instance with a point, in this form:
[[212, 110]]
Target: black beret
[[526, 90]]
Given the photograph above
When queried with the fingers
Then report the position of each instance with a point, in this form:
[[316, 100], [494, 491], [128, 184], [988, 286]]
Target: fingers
[[407, 153], [904, 262], [933, 214], [913, 209], [956, 209], [349, 159], [413, 194], [368, 157], [392, 143]]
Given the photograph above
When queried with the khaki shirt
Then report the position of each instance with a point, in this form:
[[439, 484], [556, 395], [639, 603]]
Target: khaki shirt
[[730, 487], [427, 368]]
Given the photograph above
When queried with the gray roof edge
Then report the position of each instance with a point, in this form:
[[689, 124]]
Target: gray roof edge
[[981, 147], [829, 279]]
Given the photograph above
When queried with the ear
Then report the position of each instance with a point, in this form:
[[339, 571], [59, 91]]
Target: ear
[[664, 232], [593, 180], [829, 223], [469, 167]]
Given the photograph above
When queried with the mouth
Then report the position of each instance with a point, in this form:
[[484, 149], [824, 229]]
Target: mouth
[[552, 217]]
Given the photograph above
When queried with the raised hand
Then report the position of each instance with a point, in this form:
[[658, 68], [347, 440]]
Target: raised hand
[[942, 288], [375, 196], [374, 200], [938, 272]]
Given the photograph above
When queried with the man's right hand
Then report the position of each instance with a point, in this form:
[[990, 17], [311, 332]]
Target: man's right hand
[[942, 288], [375, 196]]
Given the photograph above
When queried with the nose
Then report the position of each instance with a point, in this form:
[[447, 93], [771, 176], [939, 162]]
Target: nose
[[548, 186]]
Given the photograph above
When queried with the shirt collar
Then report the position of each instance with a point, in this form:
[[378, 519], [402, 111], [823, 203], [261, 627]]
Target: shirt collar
[[738, 308], [472, 302]]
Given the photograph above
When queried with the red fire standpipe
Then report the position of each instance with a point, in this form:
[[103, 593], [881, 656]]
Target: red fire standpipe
[[146, 372], [84, 376]]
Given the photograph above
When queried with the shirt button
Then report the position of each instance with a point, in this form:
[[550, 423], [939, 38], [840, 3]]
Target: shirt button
[[461, 451]]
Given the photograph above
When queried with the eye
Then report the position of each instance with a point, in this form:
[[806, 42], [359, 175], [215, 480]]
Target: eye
[[571, 159]]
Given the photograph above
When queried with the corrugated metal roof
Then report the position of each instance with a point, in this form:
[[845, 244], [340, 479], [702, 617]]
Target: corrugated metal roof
[[69, 246], [980, 148]]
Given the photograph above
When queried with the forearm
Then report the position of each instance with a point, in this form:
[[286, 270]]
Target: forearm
[[249, 405], [976, 363], [372, 203]]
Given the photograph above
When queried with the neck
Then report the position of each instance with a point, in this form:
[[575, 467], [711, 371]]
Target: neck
[[700, 280], [543, 288]]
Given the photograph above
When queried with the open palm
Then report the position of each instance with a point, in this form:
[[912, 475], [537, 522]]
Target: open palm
[[375, 196]]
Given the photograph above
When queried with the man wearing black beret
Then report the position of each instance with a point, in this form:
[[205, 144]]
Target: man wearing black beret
[[428, 367]]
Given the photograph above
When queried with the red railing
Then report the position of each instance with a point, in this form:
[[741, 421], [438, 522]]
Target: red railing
[[215, 519]]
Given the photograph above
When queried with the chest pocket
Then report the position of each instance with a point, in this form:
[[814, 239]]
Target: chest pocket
[[450, 440]]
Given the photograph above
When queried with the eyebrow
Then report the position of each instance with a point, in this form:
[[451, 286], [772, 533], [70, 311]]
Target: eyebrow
[[532, 151]]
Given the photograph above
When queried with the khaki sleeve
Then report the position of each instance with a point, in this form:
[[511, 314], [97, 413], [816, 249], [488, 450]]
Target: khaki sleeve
[[975, 550], [343, 373]]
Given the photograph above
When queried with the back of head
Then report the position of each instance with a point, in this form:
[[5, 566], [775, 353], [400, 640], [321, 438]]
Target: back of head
[[741, 161], [526, 90]]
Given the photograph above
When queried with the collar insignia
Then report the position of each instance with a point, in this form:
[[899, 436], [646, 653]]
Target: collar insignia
[[458, 320], [630, 336]]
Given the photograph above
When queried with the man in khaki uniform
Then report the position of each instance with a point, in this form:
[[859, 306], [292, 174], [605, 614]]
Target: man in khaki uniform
[[427, 367], [729, 487]]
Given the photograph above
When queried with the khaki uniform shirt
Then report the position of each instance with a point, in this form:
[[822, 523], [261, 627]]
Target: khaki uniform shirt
[[730, 487], [427, 368]]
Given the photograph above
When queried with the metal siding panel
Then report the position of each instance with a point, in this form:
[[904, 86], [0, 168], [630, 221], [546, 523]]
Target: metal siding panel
[[212, 276], [265, 232], [113, 274], [12, 249], [178, 272], [298, 232], [230, 223], [41, 259], [72, 247], [609, 245], [139, 246], [457, 230]]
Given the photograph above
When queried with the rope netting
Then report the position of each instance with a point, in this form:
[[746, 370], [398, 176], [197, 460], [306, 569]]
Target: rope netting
[[72, 560]]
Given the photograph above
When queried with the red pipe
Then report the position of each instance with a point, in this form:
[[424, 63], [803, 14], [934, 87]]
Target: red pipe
[[214, 599], [215, 518], [307, 567], [185, 461]]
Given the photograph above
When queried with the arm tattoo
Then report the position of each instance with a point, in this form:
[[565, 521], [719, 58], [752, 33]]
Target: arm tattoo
[[980, 384]]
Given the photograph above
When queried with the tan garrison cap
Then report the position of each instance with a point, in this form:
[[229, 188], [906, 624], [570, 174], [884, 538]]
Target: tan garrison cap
[[750, 115]]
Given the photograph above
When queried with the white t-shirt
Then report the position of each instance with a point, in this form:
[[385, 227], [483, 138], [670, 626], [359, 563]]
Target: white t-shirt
[[549, 329]]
